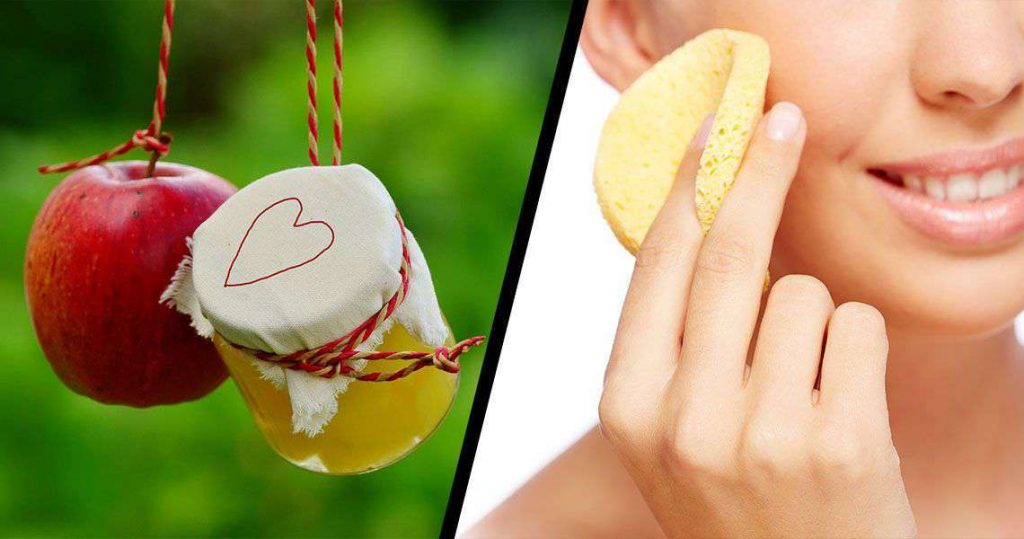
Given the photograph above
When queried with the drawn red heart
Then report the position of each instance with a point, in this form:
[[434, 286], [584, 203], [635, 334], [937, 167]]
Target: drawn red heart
[[295, 224]]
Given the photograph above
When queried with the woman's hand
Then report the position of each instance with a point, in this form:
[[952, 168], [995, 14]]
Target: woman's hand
[[720, 449]]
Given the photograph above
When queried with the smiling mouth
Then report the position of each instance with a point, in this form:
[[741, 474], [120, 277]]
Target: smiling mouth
[[964, 197], [964, 186], [960, 175]]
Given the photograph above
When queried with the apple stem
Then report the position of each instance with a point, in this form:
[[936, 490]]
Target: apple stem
[[152, 164], [164, 138]]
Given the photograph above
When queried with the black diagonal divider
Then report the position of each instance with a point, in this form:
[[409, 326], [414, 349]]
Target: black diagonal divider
[[514, 268]]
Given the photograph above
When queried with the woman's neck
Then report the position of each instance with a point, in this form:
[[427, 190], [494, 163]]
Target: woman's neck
[[957, 415], [936, 384]]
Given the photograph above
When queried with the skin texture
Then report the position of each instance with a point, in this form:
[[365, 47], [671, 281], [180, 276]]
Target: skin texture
[[877, 82], [101, 251]]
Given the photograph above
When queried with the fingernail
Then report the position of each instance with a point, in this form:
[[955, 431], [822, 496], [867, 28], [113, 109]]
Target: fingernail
[[783, 121], [701, 138]]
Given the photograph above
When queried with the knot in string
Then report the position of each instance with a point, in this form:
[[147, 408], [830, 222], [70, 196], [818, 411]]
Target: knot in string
[[446, 359], [443, 360], [158, 144]]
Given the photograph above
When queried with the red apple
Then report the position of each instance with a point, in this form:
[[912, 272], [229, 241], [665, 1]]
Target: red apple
[[103, 248]]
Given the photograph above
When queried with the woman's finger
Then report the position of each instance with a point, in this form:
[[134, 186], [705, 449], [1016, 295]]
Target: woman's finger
[[853, 367], [651, 323], [733, 259], [789, 343]]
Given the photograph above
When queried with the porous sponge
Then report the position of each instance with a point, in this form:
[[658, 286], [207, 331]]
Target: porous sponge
[[646, 135]]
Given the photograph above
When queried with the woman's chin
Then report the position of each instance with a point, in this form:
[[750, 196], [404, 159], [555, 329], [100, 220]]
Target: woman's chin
[[921, 286], [946, 321], [949, 307], [956, 301]]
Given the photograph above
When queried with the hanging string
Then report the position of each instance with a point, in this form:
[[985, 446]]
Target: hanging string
[[311, 105], [311, 119], [338, 20], [152, 138]]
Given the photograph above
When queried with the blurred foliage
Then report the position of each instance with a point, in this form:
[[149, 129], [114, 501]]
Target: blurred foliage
[[442, 100]]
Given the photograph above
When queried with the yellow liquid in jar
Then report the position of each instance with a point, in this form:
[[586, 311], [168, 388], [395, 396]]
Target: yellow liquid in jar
[[377, 423]]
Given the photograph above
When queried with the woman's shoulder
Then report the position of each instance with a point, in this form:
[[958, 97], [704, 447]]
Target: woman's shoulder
[[584, 492]]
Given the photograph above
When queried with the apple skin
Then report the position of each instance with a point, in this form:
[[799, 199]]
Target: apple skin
[[102, 249]]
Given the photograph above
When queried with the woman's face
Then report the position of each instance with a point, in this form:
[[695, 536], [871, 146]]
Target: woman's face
[[908, 105]]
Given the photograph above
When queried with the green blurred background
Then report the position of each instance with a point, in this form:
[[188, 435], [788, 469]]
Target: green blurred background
[[443, 101]]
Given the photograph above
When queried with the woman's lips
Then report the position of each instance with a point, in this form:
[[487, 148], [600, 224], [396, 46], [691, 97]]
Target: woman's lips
[[961, 223], [961, 161], [964, 197]]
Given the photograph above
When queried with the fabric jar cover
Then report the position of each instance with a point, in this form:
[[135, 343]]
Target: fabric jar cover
[[297, 259]]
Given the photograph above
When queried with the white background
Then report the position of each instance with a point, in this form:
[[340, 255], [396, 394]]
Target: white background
[[563, 320]]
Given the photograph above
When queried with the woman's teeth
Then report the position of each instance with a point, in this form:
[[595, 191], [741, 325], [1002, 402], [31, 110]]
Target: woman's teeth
[[967, 187]]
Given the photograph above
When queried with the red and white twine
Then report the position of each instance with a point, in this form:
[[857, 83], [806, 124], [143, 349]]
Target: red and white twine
[[338, 20], [311, 100], [311, 117], [152, 138], [335, 358]]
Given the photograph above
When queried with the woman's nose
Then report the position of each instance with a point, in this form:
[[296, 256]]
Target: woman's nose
[[969, 54]]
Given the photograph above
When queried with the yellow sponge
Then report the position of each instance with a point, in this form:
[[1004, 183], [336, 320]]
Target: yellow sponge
[[646, 135]]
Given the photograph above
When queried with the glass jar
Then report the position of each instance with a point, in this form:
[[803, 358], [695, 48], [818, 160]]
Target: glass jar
[[377, 423]]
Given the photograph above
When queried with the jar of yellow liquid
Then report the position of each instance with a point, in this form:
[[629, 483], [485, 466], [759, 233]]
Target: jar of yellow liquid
[[322, 306], [376, 423]]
